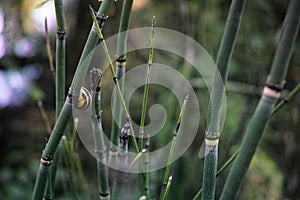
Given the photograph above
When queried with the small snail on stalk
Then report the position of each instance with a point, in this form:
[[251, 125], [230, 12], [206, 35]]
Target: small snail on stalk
[[84, 99]]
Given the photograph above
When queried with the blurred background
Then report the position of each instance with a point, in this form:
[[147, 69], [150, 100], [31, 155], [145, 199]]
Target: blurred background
[[26, 81]]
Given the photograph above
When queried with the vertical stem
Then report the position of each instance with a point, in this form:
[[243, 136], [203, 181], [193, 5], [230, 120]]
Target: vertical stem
[[65, 114], [167, 188], [116, 82], [173, 144], [120, 189], [214, 111], [100, 148], [59, 85], [144, 109], [270, 94], [120, 71]]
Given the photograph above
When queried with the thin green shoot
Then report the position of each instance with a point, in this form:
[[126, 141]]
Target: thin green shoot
[[146, 88], [167, 188], [174, 140]]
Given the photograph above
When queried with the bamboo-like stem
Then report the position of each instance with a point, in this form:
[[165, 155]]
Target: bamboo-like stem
[[59, 85], [66, 111], [214, 111], [173, 144], [167, 188], [100, 148], [60, 56], [120, 71], [270, 94], [115, 79], [143, 115], [224, 166], [274, 111], [146, 88], [120, 189]]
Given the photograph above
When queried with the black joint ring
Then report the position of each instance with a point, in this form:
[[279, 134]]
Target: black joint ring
[[103, 194], [46, 160], [115, 79], [121, 60], [61, 34], [274, 87]]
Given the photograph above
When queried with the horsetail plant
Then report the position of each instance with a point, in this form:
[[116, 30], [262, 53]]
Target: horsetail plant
[[120, 179], [214, 111], [100, 148], [143, 115], [65, 114], [232, 158], [224, 166], [59, 84], [120, 71], [172, 149], [115, 79], [271, 93]]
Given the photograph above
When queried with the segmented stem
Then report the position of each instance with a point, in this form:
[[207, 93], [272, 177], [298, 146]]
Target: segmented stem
[[65, 114], [172, 149], [265, 106], [116, 82], [214, 111]]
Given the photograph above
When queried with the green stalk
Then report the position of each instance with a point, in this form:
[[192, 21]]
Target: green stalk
[[143, 115], [226, 164], [262, 113], [121, 187], [100, 148], [274, 111], [66, 111], [59, 85], [214, 111], [115, 79], [174, 140], [120, 71], [146, 88], [60, 55], [167, 188]]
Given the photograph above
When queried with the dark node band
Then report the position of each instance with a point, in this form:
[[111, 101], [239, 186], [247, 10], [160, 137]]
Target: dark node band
[[46, 160], [101, 20], [121, 60], [274, 87], [61, 34]]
